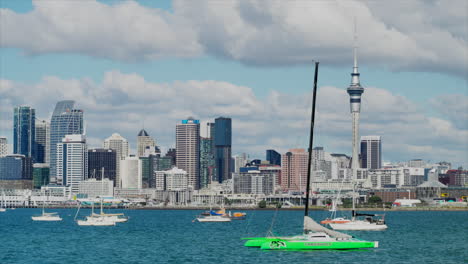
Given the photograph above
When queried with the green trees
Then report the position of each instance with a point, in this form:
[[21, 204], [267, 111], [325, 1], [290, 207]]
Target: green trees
[[375, 200], [262, 204]]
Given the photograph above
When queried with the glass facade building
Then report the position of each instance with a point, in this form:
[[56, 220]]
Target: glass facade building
[[222, 141], [24, 123], [371, 152], [273, 157], [65, 121], [102, 160], [15, 167], [42, 138], [207, 162], [41, 173]]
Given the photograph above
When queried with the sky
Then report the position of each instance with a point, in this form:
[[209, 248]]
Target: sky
[[135, 64]]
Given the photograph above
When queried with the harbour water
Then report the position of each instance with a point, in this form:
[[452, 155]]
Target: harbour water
[[170, 236]]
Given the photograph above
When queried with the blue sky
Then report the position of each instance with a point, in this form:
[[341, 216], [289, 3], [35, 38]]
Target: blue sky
[[245, 46]]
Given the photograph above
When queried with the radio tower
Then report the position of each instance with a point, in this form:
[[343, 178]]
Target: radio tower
[[355, 91]]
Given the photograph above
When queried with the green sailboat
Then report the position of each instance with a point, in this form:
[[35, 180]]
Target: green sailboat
[[314, 236]]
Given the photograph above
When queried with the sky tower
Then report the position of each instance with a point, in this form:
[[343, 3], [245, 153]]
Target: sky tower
[[355, 91]]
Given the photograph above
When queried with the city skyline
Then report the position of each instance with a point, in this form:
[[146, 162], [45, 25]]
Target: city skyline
[[267, 99]]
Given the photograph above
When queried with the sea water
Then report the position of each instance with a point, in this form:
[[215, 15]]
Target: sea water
[[171, 236]]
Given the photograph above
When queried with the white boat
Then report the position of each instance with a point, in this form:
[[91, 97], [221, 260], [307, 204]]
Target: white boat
[[213, 218], [359, 225], [2, 209], [47, 217], [118, 218], [95, 221]]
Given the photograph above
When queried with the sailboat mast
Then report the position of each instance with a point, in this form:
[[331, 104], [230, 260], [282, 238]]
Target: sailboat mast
[[311, 140]]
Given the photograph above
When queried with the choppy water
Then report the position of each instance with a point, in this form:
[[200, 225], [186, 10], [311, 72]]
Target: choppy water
[[171, 237]]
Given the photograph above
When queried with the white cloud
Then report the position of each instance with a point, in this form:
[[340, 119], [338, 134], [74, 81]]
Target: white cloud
[[123, 102], [424, 36]]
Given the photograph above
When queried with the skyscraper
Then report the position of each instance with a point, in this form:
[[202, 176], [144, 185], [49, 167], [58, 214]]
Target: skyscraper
[[222, 140], [72, 161], [41, 173], [371, 152], [24, 131], [273, 157], [42, 139], [188, 150], [120, 145], [355, 91], [294, 170], [3, 146], [207, 161], [65, 121], [144, 142], [102, 161]]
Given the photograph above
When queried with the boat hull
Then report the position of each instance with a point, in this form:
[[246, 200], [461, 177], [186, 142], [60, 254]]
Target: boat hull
[[46, 218], [100, 223], [352, 226], [207, 219], [322, 245]]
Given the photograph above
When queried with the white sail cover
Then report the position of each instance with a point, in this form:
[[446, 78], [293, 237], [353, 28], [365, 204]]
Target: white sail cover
[[311, 225]]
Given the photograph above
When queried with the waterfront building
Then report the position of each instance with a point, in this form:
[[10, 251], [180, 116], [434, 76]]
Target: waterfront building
[[417, 163], [41, 173], [121, 146], [294, 170], [413, 176], [65, 121], [131, 173], [3, 146], [144, 142], [222, 142], [387, 177], [172, 180], [72, 161], [24, 125], [15, 172], [273, 157], [207, 162], [102, 160], [42, 138], [458, 178], [355, 91], [188, 150], [93, 188], [254, 182], [371, 152]]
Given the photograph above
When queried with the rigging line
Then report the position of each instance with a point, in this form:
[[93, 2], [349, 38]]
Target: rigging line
[[270, 232]]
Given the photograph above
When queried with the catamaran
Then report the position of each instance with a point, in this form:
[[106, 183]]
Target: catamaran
[[315, 236]]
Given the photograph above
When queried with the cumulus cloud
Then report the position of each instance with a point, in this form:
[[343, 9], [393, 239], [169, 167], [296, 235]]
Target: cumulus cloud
[[424, 36], [124, 102]]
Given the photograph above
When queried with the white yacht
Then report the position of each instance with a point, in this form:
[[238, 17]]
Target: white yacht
[[47, 217], [213, 218]]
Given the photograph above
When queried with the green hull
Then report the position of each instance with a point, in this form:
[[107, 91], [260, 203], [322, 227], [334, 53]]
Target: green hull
[[326, 245]]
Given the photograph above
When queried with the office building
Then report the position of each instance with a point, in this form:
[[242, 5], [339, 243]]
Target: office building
[[41, 173], [294, 170], [24, 129], [172, 180], [145, 143], [121, 146], [3, 146], [273, 157], [417, 163], [131, 173], [222, 142], [102, 161], [15, 172], [72, 161], [207, 162], [93, 188], [42, 139], [254, 182], [240, 161], [65, 121], [371, 152], [188, 150]]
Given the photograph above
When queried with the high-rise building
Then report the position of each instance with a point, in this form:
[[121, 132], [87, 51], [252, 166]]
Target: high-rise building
[[273, 157], [120, 145], [149, 164], [41, 173], [355, 91], [222, 141], [101, 161], [188, 150], [371, 152], [42, 139], [24, 125], [65, 121], [240, 161], [207, 161], [72, 161], [254, 182], [131, 173], [172, 180], [15, 172], [294, 170], [144, 142], [3, 146], [171, 153]]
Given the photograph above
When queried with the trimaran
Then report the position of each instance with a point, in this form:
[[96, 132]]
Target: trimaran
[[315, 236]]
